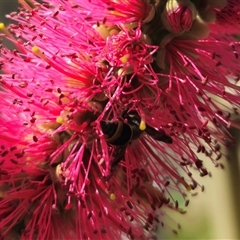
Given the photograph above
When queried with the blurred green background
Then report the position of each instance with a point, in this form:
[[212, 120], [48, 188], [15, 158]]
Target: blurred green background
[[212, 214]]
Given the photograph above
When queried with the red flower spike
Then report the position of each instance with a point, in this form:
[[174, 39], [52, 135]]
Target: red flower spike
[[105, 106]]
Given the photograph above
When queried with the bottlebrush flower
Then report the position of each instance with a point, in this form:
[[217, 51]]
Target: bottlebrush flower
[[105, 106]]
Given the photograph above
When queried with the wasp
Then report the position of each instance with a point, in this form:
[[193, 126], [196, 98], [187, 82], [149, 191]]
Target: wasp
[[121, 133]]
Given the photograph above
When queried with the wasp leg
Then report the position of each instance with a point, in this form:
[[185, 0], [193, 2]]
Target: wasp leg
[[118, 157]]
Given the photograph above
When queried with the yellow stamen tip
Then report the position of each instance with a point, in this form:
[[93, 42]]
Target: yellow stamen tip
[[36, 50], [112, 196], [124, 59], [1, 194], [59, 120], [2, 26], [188, 188], [142, 125]]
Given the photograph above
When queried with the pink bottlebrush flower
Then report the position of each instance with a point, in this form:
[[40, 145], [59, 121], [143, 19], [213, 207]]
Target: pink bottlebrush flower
[[104, 108], [127, 11]]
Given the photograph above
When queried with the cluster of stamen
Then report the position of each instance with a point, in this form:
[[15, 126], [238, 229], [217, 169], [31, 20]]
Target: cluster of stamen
[[105, 117]]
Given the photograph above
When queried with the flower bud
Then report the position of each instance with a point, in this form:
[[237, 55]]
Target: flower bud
[[208, 10], [178, 15]]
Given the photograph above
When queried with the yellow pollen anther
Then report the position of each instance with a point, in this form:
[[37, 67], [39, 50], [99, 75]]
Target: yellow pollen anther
[[59, 120], [124, 59], [9, 35], [1, 194], [2, 26], [4, 29], [35, 49], [39, 53], [188, 188], [112, 196], [142, 125]]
